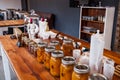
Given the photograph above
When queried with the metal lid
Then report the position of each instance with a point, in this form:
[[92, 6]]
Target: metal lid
[[49, 48], [67, 41], [81, 68], [97, 76], [57, 53], [42, 44], [54, 42], [68, 60]]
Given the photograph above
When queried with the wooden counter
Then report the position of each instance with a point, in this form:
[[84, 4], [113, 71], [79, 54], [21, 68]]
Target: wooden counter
[[7, 23], [26, 66]]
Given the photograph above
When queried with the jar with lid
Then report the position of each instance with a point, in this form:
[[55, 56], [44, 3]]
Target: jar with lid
[[55, 62], [26, 41], [66, 68], [81, 72], [47, 56], [40, 51], [35, 50], [97, 76], [30, 45], [56, 44], [67, 47]]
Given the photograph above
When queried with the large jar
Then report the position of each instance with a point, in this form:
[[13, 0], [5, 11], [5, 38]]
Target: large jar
[[66, 68], [67, 47], [56, 44], [47, 56], [81, 72], [97, 76], [40, 51], [55, 62]]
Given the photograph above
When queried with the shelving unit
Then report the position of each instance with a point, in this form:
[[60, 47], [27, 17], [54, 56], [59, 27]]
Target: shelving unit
[[96, 18]]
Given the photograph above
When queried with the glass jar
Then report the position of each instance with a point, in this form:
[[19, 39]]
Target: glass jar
[[47, 55], [56, 44], [67, 47], [97, 76], [40, 51], [30, 46], [55, 62], [26, 41], [66, 68], [35, 50], [81, 72]]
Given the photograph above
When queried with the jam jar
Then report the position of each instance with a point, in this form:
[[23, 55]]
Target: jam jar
[[47, 56], [30, 46], [81, 72], [55, 62], [35, 50], [66, 68], [40, 51], [97, 76], [56, 44], [67, 47]]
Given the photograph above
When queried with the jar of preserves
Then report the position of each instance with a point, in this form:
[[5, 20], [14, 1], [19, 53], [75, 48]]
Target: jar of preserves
[[35, 50], [47, 56], [66, 68], [81, 72], [97, 76], [26, 41], [55, 62], [56, 44], [67, 47], [40, 51], [30, 46]]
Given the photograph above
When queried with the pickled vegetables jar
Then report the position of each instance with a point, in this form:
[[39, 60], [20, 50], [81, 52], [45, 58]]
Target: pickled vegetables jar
[[66, 68], [40, 51], [55, 62], [67, 47], [81, 72], [56, 44], [47, 56]]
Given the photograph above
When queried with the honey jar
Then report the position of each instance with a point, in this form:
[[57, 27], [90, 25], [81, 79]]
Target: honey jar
[[81, 72], [66, 68], [56, 44], [67, 47], [40, 51], [55, 62], [47, 56]]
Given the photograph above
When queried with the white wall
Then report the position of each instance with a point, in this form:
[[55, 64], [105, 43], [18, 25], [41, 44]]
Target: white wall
[[4, 4]]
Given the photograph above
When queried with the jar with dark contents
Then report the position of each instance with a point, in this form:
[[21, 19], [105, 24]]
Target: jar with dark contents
[[30, 46], [66, 68], [56, 44], [55, 62], [35, 50], [97, 76], [26, 41], [67, 47], [81, 72], [40, 51], [47, 56]]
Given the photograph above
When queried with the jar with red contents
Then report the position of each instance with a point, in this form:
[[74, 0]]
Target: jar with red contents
[[55, 62], [47, 56], [66, 68]]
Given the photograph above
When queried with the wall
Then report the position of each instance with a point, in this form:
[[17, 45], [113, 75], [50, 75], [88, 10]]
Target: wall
[[4, 4]]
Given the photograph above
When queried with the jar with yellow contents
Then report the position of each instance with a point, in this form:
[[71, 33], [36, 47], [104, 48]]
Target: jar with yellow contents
[[41, 51], [81, 72], [56, 44], [66, 68], [67, 47], [55, 62], [47, 56]]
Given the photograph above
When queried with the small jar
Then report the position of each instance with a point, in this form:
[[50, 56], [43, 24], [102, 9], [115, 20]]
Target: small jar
[[81, 72], [35, 50], [40, 51], [67, 47], [66, 68], [48, 51], [56, 44], [55, 62], [27, 41], [30, 46], [97, 76]]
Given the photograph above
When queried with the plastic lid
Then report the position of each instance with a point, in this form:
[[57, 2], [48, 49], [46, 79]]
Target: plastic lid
[[57, 53]]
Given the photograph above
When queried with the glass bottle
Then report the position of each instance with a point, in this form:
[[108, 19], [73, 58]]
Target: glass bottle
[[55, 62], [66, 68], [81, 72]]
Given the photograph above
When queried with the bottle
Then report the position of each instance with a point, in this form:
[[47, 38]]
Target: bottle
[[55, 62], [66, 68]]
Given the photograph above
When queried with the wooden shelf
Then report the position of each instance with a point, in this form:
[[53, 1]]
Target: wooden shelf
[[89, 33], [101, 22]]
